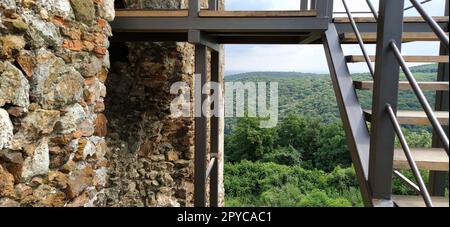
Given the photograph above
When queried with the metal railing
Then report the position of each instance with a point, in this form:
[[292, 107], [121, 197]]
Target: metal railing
[[421, 96], [211, 164], [423, 2], [372, 9], [407, 181], [422, 188], [360, 40], [431, 22]]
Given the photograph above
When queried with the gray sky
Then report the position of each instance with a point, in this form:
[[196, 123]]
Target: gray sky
[[308, 58]]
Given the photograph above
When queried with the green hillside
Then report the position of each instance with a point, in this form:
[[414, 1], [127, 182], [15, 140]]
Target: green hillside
[[306, 94], [304, 161]]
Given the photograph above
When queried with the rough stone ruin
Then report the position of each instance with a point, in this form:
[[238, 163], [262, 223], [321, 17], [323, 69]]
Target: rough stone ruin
[[84, 122]]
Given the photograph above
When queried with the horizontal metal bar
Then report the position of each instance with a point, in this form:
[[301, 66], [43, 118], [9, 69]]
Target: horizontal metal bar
[[423, 189], [211, 164], [407, 181], [149, 36], [434, 26], [423, 2], [220, 25], [420, 95], [360, 40]]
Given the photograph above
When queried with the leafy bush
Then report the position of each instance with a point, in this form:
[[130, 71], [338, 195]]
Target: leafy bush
[[269, 184], [319, 198], [284, 156]]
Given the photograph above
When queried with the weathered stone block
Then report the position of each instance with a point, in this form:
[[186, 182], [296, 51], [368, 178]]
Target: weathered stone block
[[14, 86], [84, 10]]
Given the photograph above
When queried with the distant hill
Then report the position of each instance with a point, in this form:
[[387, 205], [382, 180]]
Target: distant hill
[[230, 76], [313, 95], [430, 68], [249, 75]]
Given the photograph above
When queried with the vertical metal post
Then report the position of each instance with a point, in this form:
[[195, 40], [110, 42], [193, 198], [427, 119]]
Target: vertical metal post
[[201, 64], [313, 4], [194, 8], [323, 8], [214, 133], [386, 81], [437, 180], [330, 8], [303, 4], [213, 5]]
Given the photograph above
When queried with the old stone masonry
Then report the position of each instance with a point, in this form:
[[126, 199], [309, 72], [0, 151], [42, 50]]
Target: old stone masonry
[[57, 147], [53, 65]]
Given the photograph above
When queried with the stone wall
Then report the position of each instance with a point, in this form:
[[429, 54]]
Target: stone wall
[[53, 64], [152, 154], [57, 147]]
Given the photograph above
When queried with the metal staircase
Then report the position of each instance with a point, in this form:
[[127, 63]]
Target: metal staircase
[[380, 159], [374, 156]]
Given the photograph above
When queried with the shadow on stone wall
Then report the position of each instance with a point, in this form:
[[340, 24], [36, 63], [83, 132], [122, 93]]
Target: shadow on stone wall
[[151, 154]]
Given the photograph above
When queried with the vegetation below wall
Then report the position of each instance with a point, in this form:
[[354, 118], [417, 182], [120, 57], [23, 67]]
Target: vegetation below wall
[[304, 161]]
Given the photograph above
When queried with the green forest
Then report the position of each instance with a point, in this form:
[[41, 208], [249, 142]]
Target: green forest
[[304, 161]]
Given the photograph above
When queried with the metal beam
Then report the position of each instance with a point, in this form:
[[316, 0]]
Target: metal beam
[[219, 25], [198, 37], [437, 180], [238, 38], [386, 81], [215, 132], [201, 126], [149, 37], [352, 115]]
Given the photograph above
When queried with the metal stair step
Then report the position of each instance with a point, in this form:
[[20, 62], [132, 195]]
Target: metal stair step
[[435, 159], [405, 85], [417, 201], [414, 117], [421, 59], [371, 37], [371, 19]]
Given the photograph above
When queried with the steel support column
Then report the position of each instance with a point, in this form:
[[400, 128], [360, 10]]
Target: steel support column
[[215, 131], [201, 126], [325, 8], [357, 134], [386, 81], [213, 5], [437, 180], [313, 4], [194, 8], [303, 4]]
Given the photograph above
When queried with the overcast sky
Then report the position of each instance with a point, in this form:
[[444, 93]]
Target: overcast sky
[[308, 58]]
